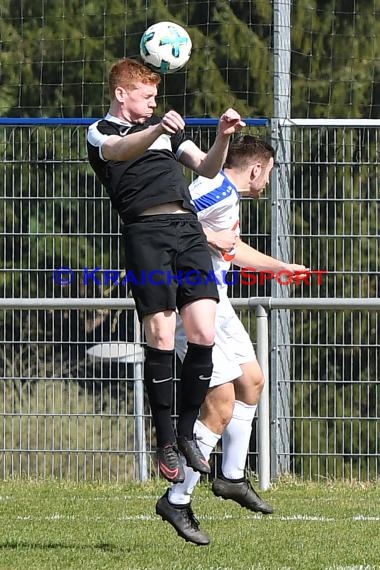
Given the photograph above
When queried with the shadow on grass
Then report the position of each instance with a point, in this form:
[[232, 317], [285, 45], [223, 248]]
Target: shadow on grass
[[104, 546]]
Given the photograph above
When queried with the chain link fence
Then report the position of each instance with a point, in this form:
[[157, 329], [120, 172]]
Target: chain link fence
[[71, 398]]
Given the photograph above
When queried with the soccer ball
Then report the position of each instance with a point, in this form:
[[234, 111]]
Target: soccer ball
[[166, 47]]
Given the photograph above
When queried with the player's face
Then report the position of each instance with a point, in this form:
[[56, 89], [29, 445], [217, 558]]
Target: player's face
[[260, 175], [138, 104]]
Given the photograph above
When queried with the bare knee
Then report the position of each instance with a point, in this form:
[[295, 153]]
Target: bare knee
[[160, 341], [199, 321], [259, 382], [204, 338], [201, 334], [249, 386], [160, 330]]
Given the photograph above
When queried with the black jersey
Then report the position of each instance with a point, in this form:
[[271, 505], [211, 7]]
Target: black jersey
[[155, 177]]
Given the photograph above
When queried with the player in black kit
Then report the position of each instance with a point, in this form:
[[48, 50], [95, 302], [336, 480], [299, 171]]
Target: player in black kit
[[139, 159]]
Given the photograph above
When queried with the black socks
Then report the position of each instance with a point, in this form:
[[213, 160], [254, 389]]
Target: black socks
[[196, 375], [158, 376]]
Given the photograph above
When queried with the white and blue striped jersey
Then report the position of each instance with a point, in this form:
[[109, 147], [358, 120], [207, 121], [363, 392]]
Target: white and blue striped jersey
[[217, 202]]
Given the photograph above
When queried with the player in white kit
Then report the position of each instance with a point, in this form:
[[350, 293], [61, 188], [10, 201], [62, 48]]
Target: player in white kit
[[237, 380]]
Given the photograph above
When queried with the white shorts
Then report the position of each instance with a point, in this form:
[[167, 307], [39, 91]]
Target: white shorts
[[233, 346]]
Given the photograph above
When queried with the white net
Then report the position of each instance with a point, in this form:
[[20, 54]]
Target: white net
[[335, 59], [55, 56]]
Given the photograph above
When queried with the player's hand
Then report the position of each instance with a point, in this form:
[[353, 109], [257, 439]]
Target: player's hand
[[172, 122], [296, 268], [225, 240], [300, 272], [230, 122]]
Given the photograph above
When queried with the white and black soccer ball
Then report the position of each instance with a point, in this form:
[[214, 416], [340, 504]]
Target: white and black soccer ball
[[165, 47]]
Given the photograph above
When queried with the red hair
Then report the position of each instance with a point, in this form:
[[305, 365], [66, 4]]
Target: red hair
[[127, 72]]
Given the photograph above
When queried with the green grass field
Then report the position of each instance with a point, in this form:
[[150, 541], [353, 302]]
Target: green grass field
[[48, 525]]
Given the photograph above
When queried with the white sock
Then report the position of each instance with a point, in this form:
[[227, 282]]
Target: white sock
[[180, 493], [235, 440]]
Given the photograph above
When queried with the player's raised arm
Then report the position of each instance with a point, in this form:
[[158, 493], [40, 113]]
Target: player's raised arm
[[210, 163], [131, 147]]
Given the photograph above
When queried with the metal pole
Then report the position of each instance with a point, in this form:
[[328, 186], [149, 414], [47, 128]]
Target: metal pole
[[263, 408], [139, 409], [310, 303], [280, 246]]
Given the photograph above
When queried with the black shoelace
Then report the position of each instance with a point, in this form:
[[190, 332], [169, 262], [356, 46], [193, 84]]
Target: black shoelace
[[171, 456], [192, 518]]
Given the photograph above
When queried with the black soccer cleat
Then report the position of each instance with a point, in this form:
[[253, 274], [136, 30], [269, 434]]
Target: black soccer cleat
[[169, 464], [241, 492], [193, 455], [182, 518]]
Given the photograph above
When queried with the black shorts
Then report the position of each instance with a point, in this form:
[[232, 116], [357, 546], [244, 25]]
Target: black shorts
[[168, 262]]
